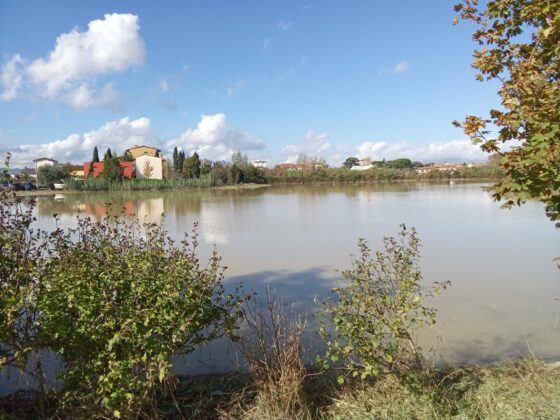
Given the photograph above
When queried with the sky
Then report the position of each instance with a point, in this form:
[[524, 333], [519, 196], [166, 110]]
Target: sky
[[271, 79]]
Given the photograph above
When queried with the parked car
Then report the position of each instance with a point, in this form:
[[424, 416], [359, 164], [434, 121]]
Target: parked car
[[29, 186], [18, 187]]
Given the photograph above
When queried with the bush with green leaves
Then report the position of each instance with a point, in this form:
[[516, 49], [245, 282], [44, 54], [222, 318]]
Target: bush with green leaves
[[21, 250], [375, 317], [114, 300], [48, 175]]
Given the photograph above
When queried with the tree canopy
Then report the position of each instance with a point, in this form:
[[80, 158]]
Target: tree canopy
[[350, 162], [191, 166], [519, 45], [239, 159], [49, 174]]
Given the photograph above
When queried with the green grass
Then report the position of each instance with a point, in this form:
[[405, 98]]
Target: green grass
[[100, 184], [525, 390], [528, 389]]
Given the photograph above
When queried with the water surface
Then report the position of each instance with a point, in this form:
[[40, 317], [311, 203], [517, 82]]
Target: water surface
[[500, 262]]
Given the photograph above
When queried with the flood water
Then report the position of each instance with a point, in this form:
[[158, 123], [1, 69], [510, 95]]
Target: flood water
[[500, 262]]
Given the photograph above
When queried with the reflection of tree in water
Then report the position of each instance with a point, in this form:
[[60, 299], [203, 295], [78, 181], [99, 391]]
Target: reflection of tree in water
[[190, 201]]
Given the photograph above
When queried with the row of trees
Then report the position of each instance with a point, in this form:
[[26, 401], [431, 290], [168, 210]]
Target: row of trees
[[402, 163], [237, 170]]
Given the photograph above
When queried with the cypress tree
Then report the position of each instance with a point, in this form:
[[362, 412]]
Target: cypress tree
[[181, 161], [195, 165], [95, 157], [175, 159]]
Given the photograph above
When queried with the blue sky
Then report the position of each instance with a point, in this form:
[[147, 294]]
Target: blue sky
[[273, 79]]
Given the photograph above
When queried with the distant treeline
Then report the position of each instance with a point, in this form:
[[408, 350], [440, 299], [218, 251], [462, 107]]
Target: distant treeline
[[193, 172], [344, 175], [221, 173]]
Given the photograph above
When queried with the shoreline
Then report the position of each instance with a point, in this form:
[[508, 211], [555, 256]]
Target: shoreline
[[252, 186]]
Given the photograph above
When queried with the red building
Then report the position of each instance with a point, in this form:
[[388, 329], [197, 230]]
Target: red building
[[127, 168]]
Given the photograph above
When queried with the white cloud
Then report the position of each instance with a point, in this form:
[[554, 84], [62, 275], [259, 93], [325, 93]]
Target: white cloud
[[118, 135], [84, 97], [212, 139], [283, 24], [401, 67], [318, 145], [11, 78], [109, 45], [68, 72], [235, 88], [451, 151]]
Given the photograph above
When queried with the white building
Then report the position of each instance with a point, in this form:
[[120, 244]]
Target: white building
[[147, 166], [259, 164], [43, 162], [364, 165]]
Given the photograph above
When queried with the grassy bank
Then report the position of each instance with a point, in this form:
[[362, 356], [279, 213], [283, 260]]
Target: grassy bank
[[528, 389], [100, 184], [286, 177]]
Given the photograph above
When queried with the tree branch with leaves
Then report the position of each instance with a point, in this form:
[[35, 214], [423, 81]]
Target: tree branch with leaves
[[519, 45]]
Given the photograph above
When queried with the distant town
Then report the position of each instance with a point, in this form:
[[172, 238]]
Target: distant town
[[146, 162]]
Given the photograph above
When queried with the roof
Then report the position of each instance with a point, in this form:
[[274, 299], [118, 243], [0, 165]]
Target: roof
[[44, 158], [142, 145]]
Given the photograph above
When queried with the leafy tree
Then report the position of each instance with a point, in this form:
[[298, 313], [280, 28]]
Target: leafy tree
[[351, 162], [48, 175], [304, 159], [235, 175], [95, 157], [219, 172], [253, 175], [239, 159], [127, 157], [376, 316], [519, 42], [205, 166], [112, 169], [108, 154], [402, 163], [191, 166], [165, 168]]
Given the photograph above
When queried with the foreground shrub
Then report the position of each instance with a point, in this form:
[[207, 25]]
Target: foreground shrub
[[376, 316], [114, 301], [117, 302], [21, 249], [271, 345]]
